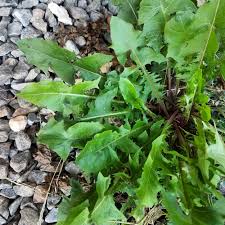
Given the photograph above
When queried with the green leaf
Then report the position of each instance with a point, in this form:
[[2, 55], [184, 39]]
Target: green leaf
[[155, 13], [128, 10], [58, 96], [99, 153], [130, 94], [122, 44], [105, 211], [197, 215], [149, 181], [60, 140], [216, 150], [56, 138], [47, 54], [89, 66]]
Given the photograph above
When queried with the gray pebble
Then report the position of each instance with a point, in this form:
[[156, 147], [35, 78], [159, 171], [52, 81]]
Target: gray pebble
[[17, 53], [52, 22], [80, 41], [14, 206], [23, 141], [27, 202], [82, 4], [8, 193], [30, 32], [4, 125], [95, 5], [52, 216], [78, 13], [72, 168], [3, 136], [113, 9], [8, 3], [4, 184], [58, 1], [23, 15], [6, 11], [70, 45], [5, 74], [4, 150], [2, 221], [5, 111], [28, 216], [37, 176], [32, 75], [19, 86], [29, 3], [4, 168], [20, 161], [21, 71], [95, 16], [70, 3], [37, 20], [23, 190], [7, 48], [52, 201], [4, 202], [3, 34], [14, 29]]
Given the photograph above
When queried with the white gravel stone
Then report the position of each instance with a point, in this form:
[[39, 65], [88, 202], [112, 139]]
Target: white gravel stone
[[29, 3], [37, 20], [3, 136], [30, 32], [61, 13], [78, 13], [52, 216], [8, 3], [23, 15], [3, 34], [29, 216], [32, 75], [19, 86], [80, 40], [18, 123], [4, 169], [14, 206]]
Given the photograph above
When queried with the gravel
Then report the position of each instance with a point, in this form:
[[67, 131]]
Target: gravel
[[21, 199]]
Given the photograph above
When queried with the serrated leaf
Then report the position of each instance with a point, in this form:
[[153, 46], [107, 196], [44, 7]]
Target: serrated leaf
[[58, 96], [149, 181], [99, 153], [89, 66], [120, 43], [197, 215], [128, 10], [47, 54], [130, 94], [154, 14], [60, 140], [105, 211]]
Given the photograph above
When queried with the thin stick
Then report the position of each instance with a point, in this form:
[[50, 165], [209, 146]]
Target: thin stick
[[46, 197]]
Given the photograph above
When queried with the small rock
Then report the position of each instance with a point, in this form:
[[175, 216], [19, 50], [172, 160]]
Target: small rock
[[4, 169], [38, 176], [30, 32], [11, 63], [40, 193], [16, 53], [15, 206], [72, 168], [4, 184], [29, 216], [8, 193], [3, 34], [95, 16], [52, 201], [18, 123], [22, 141], [4, 202], [78, 13], [70, 45], [60, 12], [80, 40], [6, 48], [32, 118], [52, 22], [19, 86], [24, 111], [94, 6], [4, 125], [23, 103], [20, 161], [222, 187], [23, 15], [58, 1], [5, 73], [29, 3], [2, 221], [6, 11], [52, 216], [21, 71], [65, 188], [27, 202], [4, 150], [5, 112], [37, 20], [3, 136], [113, 9], [4, 3], [32, 75], [82, 4], [23, 190], [5, 21]]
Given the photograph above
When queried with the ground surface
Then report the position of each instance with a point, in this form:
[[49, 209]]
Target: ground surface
[[27, 170]]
